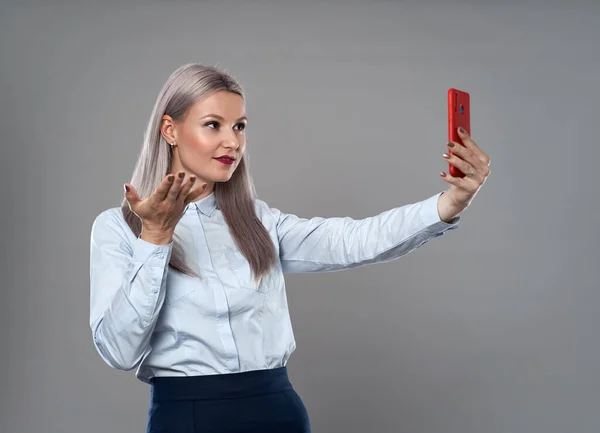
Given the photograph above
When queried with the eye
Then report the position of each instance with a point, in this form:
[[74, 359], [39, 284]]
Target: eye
[[240, 126]]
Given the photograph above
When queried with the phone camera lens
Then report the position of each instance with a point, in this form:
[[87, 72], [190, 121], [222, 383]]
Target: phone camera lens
[[462, 109]]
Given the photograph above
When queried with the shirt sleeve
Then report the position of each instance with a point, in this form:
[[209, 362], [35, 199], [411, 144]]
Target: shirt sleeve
[[127, 288], [331, 244]]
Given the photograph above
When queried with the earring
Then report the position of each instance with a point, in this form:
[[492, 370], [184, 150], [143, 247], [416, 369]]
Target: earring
[[173, 145]]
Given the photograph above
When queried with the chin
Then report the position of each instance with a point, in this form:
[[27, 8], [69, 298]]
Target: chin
[[222, 177]]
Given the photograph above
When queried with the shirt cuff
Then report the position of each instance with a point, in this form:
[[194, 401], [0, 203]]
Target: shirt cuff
[[429, 213], [144, 250]]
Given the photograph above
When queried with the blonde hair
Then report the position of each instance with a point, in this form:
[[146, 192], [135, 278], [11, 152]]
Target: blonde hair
[[235, 198]]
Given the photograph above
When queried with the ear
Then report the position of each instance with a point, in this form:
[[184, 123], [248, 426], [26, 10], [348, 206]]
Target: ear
[[167, 129]]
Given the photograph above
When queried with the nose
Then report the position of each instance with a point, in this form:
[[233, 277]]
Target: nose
[[231, 144], [231, 140]]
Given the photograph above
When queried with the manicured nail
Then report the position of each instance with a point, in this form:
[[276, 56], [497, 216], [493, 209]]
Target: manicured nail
[[192, 179], [446, 155], [443, 174], [171, 178], [461, 130], [450, 144], [126, 188], [181, 175]]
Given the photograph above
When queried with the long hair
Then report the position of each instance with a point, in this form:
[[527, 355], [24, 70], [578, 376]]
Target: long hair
[[235, 198]]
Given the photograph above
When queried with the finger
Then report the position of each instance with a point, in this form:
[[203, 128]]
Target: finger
[[466, 139], [463, 183], [187, 186], [463, 153], [131, 194], [462, 165], [456, 181], [195, 194], [472, 144], [484, 158], [176, 187], [163, 188], [474, 156]]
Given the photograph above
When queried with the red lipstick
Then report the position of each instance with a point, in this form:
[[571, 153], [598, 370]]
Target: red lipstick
[[225, 160]]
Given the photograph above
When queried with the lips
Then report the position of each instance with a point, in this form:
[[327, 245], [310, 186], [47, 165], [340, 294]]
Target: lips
[[225, 160]]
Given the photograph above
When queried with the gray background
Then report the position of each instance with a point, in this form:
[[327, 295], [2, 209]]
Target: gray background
[[491, 328]]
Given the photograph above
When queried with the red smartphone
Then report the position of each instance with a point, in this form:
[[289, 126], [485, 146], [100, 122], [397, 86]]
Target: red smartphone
[[459, 115]]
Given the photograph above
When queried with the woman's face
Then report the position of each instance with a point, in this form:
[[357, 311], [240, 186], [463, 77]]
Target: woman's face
[[211, 128]]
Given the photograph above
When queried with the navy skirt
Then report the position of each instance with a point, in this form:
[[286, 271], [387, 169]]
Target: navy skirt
[[254, 401]]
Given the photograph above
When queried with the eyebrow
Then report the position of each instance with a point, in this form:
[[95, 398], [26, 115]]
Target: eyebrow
[[221, 117]]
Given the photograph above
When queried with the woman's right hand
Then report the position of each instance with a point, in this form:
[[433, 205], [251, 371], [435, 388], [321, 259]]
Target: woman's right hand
[[161, 212]]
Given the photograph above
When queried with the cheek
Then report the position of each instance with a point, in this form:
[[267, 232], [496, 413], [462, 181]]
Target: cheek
[[202, 142]]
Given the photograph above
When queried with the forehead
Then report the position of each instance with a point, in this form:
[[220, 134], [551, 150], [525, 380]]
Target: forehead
[[228, 105]]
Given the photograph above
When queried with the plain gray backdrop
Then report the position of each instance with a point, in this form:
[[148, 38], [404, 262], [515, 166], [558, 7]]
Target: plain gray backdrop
[[492, 328]]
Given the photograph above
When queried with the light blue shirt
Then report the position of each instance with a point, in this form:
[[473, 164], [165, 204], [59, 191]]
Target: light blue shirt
[[146, 315]]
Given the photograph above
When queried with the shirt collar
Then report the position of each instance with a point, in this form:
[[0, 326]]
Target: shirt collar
[[206, 205]]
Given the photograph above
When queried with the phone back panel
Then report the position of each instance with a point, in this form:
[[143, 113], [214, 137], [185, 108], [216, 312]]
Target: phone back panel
[[459, 115]]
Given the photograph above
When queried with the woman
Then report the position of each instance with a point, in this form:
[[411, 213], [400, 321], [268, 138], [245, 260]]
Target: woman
[[187, 283]]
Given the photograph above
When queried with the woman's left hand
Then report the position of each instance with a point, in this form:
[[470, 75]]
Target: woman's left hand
[[474, 163]]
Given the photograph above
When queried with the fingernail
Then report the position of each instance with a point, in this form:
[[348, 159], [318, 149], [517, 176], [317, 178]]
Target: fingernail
[[126, 188], [446, 155], [171, 178], [443, 174], [450, 144], [461, 130], [181, 175], [192, 179]]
